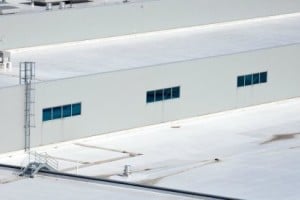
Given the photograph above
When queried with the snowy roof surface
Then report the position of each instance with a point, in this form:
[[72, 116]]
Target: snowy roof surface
[[49, 188], [128, 52], [250, 153]]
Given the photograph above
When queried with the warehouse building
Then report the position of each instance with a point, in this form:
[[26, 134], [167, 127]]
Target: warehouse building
[[99, 86]]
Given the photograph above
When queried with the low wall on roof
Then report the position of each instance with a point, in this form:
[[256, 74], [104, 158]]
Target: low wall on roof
[[68, 25]]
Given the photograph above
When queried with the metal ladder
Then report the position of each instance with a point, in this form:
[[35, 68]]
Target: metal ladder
[[26, 78]]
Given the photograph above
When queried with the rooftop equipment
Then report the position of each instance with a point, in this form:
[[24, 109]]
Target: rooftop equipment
[[5, 64], [7, 9], [48, 6]]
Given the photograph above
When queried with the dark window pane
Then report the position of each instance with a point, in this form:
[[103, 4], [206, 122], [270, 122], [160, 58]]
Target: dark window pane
[[175, 92], [241, 81], [47, 114], [255, 78], [263, 77], [167, 93], [56, 112], [76, 109], [67, 111], [150, 96], [158, 95], [248, 79]]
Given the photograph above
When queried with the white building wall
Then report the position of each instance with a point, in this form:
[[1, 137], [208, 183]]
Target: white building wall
[[59, 26], [117, 100], [11, 118]]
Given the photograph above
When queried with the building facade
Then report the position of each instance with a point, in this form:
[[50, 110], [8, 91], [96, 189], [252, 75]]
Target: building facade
[[101, 103], [41, 27]]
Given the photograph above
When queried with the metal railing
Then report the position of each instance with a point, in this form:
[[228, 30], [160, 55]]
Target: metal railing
[[41, 158]]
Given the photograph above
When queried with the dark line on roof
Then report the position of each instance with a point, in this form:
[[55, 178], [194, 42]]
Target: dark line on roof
[[129, 185]]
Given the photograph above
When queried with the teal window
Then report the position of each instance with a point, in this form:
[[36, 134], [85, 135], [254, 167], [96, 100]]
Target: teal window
[[150, 96], [255, 79], [167, 93], [241, 81], [47, 114], [76, 109], [67, 110], [59, 112], [162, 94], [248, 79], [252, 79], [158, 95], [175, 92], [56, 112], [263, 77]]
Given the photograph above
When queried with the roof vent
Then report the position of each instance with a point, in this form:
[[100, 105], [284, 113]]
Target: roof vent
[[48, 6], [6, 9], [5, 64]]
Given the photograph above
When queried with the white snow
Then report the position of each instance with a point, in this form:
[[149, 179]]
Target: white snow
[[50, 188], [258, 150], [106, 55]]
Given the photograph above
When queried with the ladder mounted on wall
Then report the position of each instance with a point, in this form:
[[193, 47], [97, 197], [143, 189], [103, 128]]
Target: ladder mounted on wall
[[26, 78]]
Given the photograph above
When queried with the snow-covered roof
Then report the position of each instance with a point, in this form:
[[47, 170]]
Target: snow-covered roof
[[128, 52], [250, 153], [48, 188]]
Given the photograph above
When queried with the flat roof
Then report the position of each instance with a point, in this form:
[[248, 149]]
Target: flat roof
[[129, 52], [249, 153], [48, 188]]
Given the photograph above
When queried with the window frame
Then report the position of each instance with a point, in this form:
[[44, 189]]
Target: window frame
[[164, 94], [43, 117], [169, 92], [241, 79], [64, 109], [174, 90], [150, 96], [254, 82], [252, 79], [159, 95], [263, 77], [248, 79], [80, 110], [68, 110], [57, 115]]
